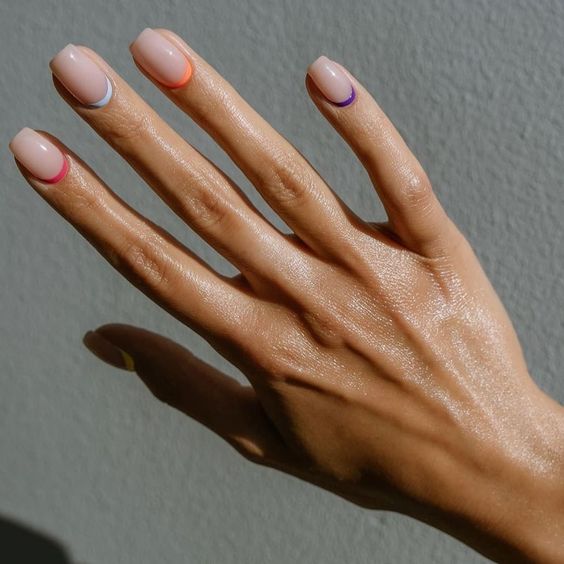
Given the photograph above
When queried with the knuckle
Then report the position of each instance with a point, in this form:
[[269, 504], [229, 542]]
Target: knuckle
[[418, 191], [242, 337], [209, 209], [289, 181], [274, 363], [144, 263], [280, 359], [326, 328], [452, 241]]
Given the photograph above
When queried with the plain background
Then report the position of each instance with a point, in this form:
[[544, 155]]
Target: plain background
[[87, 456]]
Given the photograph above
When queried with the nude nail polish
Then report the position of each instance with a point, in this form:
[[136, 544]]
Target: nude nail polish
[[334, 84], [38, 155], [161, 59], [81, 76]]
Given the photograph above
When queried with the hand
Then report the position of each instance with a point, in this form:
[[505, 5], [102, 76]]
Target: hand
[[383, 366]]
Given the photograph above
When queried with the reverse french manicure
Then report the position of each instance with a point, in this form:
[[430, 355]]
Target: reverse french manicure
[[160, 58], [81, 76], [334, 84], [38, 155]]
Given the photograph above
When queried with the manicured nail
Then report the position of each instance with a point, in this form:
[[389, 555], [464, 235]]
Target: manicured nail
[[161, 59], [81, 76], [332, 81], [108, 352], [36, 153]]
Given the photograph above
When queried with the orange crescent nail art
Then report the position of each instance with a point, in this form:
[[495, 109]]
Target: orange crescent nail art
[[161, 59]]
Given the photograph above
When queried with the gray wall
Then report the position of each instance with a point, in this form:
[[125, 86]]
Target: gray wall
[[87, 456]]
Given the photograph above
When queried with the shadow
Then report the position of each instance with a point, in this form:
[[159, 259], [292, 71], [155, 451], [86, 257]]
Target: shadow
[[23, 545]]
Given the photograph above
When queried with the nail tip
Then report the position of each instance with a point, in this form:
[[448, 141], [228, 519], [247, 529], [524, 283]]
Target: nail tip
[[62, 51], [319, 60], [313, 64], [143, 31], [19, 133]]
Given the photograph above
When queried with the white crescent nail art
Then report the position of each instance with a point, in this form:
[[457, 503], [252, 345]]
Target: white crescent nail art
[[82, 76], [106, 98]]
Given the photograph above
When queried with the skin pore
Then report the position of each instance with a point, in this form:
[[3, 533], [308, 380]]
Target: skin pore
[[382, 365]]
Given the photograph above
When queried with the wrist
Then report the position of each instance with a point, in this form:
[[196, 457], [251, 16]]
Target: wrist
[[508, 503]]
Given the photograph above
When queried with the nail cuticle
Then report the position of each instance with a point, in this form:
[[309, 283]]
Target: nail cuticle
[[106, 99], [57, 178], [348, 101]]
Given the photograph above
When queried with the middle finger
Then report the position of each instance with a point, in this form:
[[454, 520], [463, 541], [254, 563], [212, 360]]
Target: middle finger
[[282, 175], [188, 182]]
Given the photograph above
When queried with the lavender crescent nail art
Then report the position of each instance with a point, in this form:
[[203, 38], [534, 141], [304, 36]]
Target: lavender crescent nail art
[[349, 100]]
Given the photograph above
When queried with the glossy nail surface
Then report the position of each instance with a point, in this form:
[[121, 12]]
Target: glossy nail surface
[[38, 155], [332, 81], [81, 76], [161, 59]]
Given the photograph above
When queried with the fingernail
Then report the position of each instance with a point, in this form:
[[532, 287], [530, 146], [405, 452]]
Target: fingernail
[[38, 155], [161, 59], [81, 76], [332, 81], [108, 352]]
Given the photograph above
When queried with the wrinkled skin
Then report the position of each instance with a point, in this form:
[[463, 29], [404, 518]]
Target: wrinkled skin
[[383, 366]]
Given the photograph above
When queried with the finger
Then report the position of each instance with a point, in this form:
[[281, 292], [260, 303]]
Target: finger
[[413, 209], [282, 175], [144, 253], [180, 379], [190, 184]]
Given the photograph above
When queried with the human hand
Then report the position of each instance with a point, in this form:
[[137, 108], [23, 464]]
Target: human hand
[[383, 366]]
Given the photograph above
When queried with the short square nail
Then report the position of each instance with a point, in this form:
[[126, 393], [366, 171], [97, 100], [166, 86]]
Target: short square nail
[[37, 154], [81, 76], [160, 58], [332, 81]]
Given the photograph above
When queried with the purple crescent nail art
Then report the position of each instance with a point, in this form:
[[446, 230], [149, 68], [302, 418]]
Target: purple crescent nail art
[[349, 100]]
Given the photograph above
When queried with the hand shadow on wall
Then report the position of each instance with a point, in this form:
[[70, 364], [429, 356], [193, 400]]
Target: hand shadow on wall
[[20, 544]]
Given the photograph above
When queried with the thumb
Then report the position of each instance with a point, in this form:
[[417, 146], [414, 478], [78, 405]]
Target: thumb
[[179, 378]]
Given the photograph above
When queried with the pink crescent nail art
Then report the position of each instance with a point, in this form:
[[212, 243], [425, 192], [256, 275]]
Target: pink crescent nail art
[[38, 155]]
